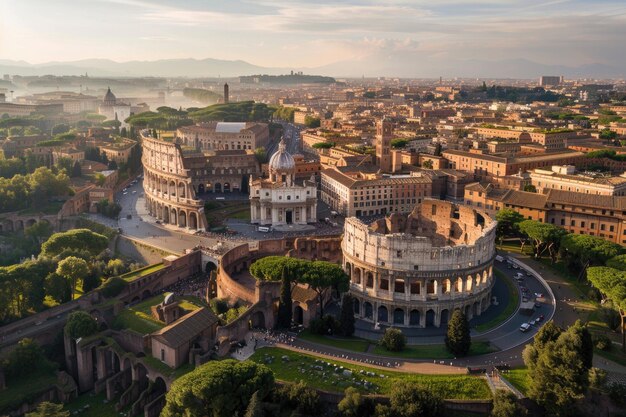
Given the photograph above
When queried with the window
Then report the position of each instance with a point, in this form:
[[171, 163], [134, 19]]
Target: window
[[384, 284], [162, 354], [415, 288], [399, 254]]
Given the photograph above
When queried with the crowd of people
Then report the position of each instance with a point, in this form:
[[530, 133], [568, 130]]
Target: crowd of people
[[195, 285]]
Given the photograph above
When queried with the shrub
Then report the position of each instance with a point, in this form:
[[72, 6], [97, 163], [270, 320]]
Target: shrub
[[80, 324], [393, 340], [597, 378], [218, 305], [602, 342], [325, 325], [113, 286]]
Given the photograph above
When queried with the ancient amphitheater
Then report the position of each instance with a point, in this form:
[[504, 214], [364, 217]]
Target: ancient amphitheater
[[169, 194], [414, 270]]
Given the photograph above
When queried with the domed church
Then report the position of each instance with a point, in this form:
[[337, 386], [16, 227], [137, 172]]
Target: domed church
[[279, 200]]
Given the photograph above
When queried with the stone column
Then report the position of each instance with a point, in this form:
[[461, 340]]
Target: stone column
[[422, 318], [101, 364]]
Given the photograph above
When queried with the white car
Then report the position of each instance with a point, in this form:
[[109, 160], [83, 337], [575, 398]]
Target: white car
[[524, 327]]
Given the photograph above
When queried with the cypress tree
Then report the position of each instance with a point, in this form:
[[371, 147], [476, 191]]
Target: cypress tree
[[285, 312], [458, 339], [255, 406], [346, 318]]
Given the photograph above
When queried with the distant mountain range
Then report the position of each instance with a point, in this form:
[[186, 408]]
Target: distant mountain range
[[406, 67]]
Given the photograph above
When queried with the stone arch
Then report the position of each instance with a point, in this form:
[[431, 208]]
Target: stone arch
[[476, 308], [444, 316], [414, 317], [358, 273], [201, 189], [368, 310], [159, 387], [298, 315], [210, 267], [166, 215], [174, 217], [135, 300], [217, 187], [172, 189], [348, 269], [459, 285], [145, 294], [227, 188], [485, 276], [181, 190], [116, 362], [357, 306], [430, 318], [182, 218], [431, 286], [383, 314], [258, 320], [468, 311], [30, 222], [446, 286], [369, 279], [126, 364], [193, 220], [477, 281], [398, 316], [468, 284], [18, 225]]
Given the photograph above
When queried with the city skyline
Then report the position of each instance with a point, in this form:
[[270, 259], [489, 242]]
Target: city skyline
[[351, 38]]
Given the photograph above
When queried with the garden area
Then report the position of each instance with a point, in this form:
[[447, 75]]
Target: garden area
[[336, 376], [139, 317], [218, 211]]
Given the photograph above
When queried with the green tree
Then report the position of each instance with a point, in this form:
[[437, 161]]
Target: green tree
[[560, 375], [458, 339], [58, 288], [544, 237], [612, 284], [354, 404], [83, 239], [399, 143], [285, 312], [505, 404], [300, 397], [48, 409], [508, 223], [322, 276], [581, 251], [550, 332], [530, 188], [428, 164], [217, 389], [73, 269], [39, 232], [261, 155], [346, 316], [80, 324], [113, 287], [312, 122], [26, 358], [409, 399], [393, 340]]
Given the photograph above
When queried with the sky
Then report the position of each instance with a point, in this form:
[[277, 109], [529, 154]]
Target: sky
[[316, 33]]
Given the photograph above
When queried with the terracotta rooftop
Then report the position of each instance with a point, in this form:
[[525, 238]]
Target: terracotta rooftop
[[186, 328]]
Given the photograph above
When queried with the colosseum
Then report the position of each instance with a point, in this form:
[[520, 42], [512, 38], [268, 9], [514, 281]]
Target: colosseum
[[414, 269], [169, 194]]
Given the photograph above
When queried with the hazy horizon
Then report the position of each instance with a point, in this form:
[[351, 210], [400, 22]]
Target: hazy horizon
[[414, 37]]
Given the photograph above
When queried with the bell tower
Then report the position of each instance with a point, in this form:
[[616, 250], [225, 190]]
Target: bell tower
[[384, 133]]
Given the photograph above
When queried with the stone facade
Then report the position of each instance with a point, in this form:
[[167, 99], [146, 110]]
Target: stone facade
[[414, 270], [213, 136], [169, 194]]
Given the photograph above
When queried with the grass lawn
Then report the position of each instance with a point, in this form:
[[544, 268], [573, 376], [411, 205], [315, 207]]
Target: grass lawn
[[354, 344], [318, 374], [93, 405], [434, 351], [25, 389], [518, 377], [130, 276], [510, 307], [241, 215]]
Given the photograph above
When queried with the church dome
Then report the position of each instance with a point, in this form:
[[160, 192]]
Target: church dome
[[282, 160], [109, 97]]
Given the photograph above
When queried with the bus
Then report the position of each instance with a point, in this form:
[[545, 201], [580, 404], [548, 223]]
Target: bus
[[264, 229]]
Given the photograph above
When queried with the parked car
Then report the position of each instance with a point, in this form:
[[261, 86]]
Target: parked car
[[539, 295], [524, 327]]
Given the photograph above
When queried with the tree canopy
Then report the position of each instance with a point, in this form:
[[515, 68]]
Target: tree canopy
[[544, 237], [80, 324], [508, 223], [612, 283], [76, 239], [580, 251], [458, 339], [218, 389]]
